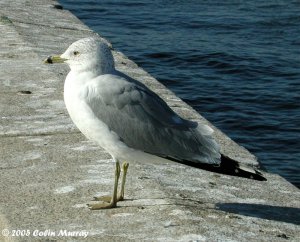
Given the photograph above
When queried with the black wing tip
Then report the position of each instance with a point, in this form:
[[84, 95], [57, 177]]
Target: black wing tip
[[227, 166], [231, 165]]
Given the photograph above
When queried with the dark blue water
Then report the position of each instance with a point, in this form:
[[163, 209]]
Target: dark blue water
[[236, 62]]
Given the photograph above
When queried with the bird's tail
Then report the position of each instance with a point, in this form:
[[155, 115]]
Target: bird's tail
[[232, 167], [227, 165]]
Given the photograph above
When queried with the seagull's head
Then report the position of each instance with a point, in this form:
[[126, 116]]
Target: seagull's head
[[88, 54]]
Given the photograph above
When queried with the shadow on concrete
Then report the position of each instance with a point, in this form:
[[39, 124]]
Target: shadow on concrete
[[283, 214]]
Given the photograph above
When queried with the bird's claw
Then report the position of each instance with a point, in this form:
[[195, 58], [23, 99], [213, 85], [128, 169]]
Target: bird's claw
[[98, 206], [106, 199]]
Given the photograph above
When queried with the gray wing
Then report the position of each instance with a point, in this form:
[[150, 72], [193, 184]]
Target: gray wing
[[144, 121]]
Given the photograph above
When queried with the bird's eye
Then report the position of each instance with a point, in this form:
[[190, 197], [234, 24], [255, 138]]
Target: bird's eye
[[75, 53]]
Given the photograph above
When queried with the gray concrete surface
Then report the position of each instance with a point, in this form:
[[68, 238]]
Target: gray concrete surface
[[49, 171]]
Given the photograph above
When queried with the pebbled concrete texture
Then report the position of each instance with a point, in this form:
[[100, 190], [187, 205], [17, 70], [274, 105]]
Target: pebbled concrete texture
[[49, 171]]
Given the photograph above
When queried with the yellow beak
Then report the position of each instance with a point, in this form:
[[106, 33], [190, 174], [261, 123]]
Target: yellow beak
[[54, 59]]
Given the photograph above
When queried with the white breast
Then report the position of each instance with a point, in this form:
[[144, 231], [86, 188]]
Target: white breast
[[84, 118]]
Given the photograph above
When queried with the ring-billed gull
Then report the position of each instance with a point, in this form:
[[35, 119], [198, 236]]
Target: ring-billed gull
[[126, 118]]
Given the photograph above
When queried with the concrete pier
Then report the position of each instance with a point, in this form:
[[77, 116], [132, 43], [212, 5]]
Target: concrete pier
[[49, 171]]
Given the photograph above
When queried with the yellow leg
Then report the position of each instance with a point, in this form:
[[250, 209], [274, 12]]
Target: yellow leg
[[113, 201], [125, 166], [107, 199]]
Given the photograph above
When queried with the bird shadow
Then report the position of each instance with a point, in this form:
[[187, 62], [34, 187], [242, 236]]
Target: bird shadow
[[277, 213]]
